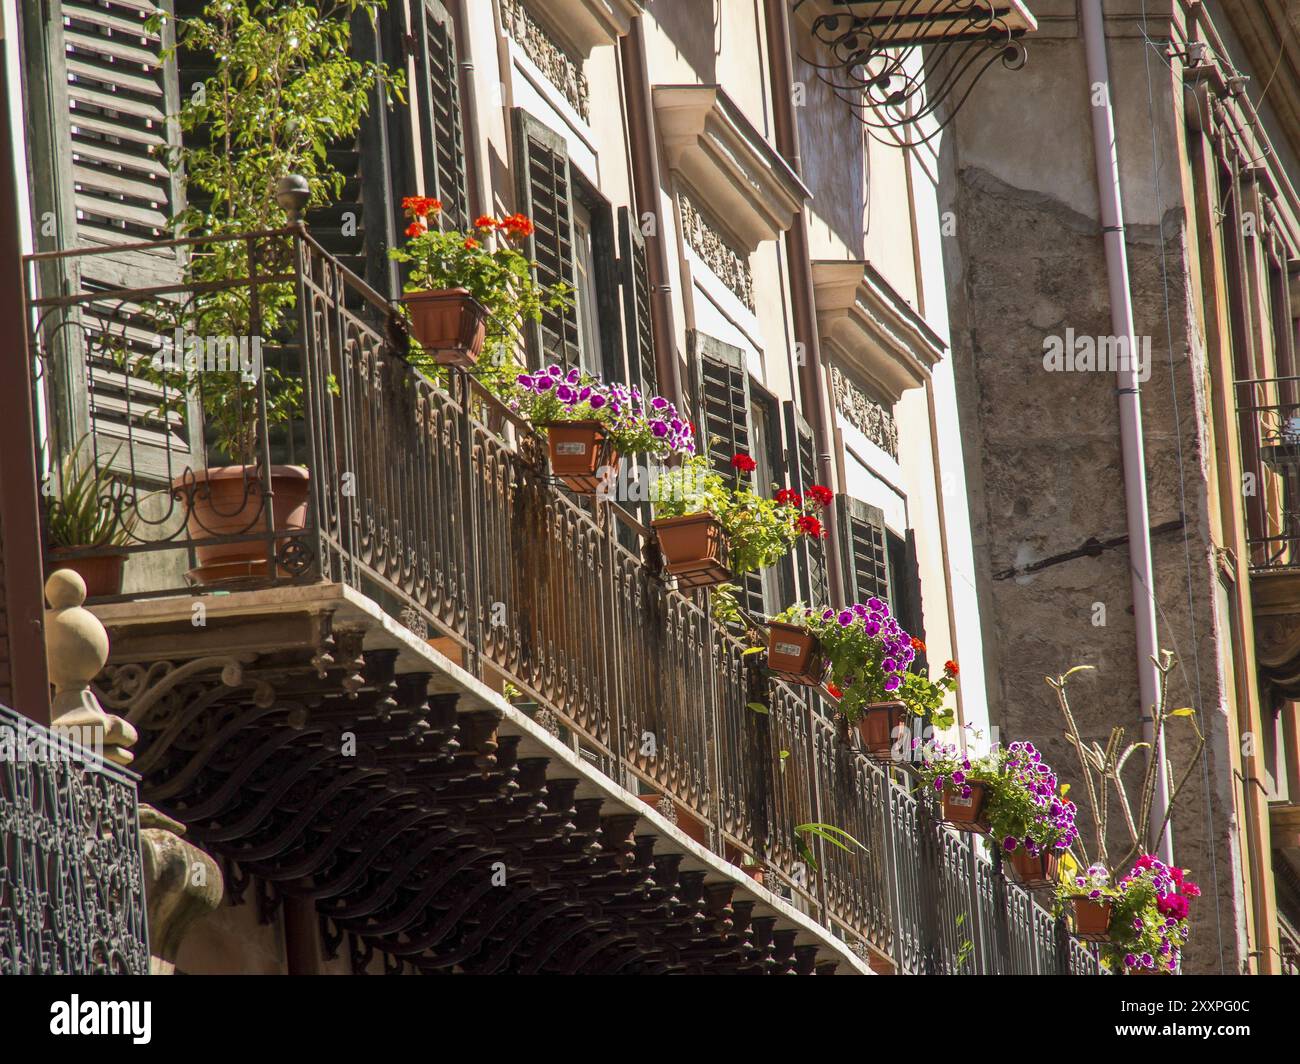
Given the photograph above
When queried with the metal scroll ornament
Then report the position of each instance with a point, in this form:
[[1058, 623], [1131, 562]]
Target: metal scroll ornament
[[872, 69]]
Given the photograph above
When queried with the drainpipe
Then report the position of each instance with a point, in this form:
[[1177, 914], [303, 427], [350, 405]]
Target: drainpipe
[[643, 147], [1130, 404], [480, 191], [812, 381]]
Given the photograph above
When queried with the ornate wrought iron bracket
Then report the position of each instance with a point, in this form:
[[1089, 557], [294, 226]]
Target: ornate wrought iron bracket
[[870, 65]]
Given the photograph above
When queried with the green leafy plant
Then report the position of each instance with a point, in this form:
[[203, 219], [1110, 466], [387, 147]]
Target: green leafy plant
[[285, 89], [760, 531], [870, 658], [94, 508], [829, 833]]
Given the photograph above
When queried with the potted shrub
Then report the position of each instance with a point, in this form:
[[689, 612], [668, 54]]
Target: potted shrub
[[591, 425], [258, 52], [711, 532], [1009, 794], [466, 288], [93, 509]]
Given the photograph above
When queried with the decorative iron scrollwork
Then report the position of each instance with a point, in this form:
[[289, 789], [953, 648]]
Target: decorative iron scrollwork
[[871, 65]]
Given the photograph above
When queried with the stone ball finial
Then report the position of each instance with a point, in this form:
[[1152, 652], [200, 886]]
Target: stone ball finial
[[75, 641], [65, 588], [76, 647]]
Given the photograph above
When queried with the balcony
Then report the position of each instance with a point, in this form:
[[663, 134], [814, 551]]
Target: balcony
[[1268, 415], [71, 882], [322, 700]]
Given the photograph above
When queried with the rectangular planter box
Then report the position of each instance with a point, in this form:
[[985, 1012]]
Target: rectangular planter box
[[794, 655], [578, 450], [694, 549]]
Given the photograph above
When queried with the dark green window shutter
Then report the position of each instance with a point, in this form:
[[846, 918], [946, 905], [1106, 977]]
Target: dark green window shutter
[[542, 172], [801, 474], [722, 390], [441, 132], [113, 137], [864, 548], [634, 277]]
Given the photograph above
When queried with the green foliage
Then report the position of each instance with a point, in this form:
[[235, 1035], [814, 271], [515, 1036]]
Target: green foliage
[[94, 508], [285, 90]]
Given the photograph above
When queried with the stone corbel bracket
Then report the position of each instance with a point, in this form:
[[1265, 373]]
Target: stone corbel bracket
[[589, 24], [736, 174], [872, 334]]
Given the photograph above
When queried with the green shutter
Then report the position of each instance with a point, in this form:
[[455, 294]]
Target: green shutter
[[864, 549], [722, 398], [905, 582], [441, 132], [542, 173], [114, 131], [634, 277], [801, 474]]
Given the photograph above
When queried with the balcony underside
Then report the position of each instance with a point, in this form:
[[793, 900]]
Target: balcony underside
[[325, 752]]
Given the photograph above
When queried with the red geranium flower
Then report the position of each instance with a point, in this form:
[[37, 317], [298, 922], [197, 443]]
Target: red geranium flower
[[950, 667], [821, 494], [421, 206], [485, 221], [809, 526], [917, 645], [743, 462], [788, 497], [470, 243], [416, 229], [516, 225], [834, 691]]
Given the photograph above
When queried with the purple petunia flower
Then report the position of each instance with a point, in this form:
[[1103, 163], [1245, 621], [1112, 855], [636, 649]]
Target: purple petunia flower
[[1009, 843], [893, 683], [845, 618], [545, 384], [597, 401]]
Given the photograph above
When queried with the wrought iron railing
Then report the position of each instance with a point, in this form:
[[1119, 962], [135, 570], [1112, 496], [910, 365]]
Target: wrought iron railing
[[1268, 423], [71, 882], [429, 496]]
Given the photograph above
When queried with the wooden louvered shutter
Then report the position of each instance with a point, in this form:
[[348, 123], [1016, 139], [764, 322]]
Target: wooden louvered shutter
[[801, 472], [865, 549], [119, 97], [542, 170], [441, 131], [634, 275], [722, 385]]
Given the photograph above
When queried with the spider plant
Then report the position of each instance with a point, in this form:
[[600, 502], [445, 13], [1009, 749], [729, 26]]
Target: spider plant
[[89, 511]]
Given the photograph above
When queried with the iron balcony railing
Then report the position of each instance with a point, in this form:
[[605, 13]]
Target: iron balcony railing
[[1268, 424], [71, 882], [429, 496]]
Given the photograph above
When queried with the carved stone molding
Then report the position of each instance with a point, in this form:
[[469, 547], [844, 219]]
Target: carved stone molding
[[730, 266], [874, 420], [737, 175], [561, 69], [588, 24]]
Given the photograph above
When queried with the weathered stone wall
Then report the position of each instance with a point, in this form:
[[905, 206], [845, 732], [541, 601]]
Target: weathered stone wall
[[1043, 448]]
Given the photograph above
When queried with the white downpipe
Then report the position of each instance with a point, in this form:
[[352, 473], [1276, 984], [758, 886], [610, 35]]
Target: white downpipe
[[1105, 150]]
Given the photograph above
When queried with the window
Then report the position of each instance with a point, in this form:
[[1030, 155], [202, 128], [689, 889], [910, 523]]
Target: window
[[801, 473], [584, 267], [437, 91]]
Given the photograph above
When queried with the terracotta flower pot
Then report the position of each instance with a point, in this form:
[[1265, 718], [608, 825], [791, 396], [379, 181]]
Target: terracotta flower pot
[[966, 814], [794, 654], [694, 549], [690, 825], [1091, 918], [579, 449], [878, 728], [1037, 871], [102, 573], [449, 323], [228, 501]]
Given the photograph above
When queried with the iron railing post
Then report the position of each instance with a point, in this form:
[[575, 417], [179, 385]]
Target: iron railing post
[[473, 558]]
